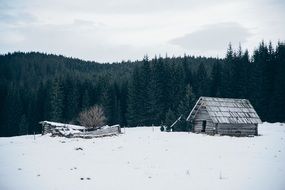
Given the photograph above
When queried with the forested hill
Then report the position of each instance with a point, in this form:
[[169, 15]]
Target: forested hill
[[37, 86]]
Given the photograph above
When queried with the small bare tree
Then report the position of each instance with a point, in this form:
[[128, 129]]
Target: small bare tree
[[93, 117]]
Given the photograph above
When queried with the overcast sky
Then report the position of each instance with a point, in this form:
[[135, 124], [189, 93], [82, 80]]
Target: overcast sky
[[115, 30]]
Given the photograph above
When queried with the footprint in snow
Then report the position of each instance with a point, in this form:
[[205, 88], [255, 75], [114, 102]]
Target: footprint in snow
[[73, 168], [187, 172], [88, 178]]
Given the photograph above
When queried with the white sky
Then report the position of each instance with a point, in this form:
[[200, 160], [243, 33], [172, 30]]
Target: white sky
[[115, 30]]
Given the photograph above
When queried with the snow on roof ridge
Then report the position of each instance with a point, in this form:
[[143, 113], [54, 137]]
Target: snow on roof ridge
[[210, 97]]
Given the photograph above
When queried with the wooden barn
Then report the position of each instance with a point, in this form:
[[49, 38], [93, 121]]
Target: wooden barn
[[224, 116]]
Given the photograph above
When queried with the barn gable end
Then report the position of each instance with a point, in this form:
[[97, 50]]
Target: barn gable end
[[203, 116], [224, 116]]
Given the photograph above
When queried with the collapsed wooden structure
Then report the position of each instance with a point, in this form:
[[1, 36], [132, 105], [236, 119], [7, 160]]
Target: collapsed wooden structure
[[224, 116], [69, 130]]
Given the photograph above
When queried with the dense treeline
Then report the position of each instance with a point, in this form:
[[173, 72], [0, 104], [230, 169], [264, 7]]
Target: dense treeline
[[36, 86]]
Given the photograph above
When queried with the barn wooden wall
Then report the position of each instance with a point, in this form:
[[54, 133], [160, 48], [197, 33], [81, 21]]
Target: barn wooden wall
[[237, 129], [201, 116]]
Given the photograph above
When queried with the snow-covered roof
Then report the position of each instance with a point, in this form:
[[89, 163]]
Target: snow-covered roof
[[108, 126], [56, 124], [227, 110]]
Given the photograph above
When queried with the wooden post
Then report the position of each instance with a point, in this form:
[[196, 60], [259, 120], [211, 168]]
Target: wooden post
[[84, 134], [256, 129]]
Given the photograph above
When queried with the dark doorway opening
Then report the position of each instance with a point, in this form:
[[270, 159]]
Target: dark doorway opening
[[204, 126]]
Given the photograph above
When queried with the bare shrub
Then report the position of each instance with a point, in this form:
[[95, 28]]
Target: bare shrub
[[92, 118]]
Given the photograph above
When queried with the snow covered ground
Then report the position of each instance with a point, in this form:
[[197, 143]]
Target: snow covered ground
[[144, 158]]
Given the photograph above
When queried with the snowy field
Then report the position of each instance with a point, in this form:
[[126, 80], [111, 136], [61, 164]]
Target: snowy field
[[144, 159]]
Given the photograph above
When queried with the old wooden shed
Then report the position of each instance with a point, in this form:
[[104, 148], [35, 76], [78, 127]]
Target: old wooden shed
[[224, 116], [69, 130]]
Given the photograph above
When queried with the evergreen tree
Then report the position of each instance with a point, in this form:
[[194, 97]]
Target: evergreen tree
[[13, 111], [147, 96], [86, 100], [278, 102], [72, 101], [187, 103], [112, 108], [216, 80], [202, 81], [177, 86], [187, 71], [161, 88], [226, 87], [123, 104], [238, 75], [169, 119], [245, 71], [56, 99], [23, 126], [155, 93], [134, 100], [257, 79]]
